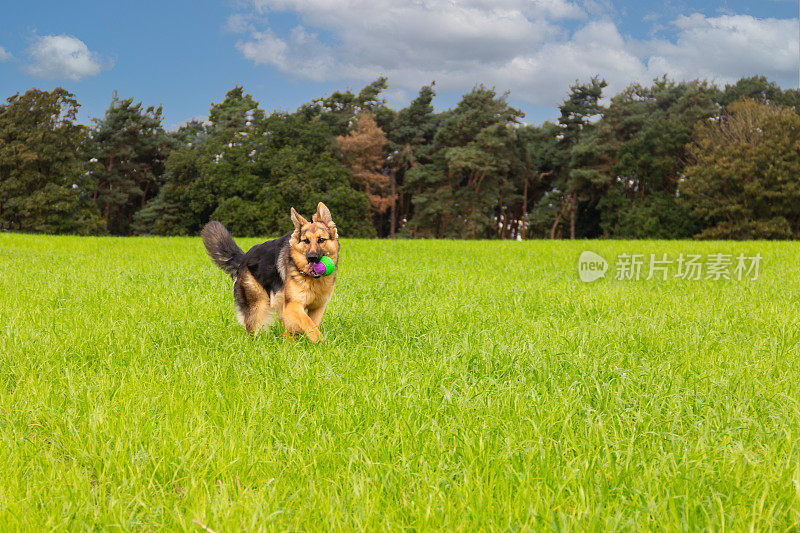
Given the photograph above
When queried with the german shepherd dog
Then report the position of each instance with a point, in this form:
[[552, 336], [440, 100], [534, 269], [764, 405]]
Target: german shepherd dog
[[276, 277]]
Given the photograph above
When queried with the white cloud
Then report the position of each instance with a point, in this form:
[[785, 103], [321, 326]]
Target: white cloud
[[727, 47], [544, 76], [524, 46], [301, 54], [62, 57], [239, 23], [4, 55]]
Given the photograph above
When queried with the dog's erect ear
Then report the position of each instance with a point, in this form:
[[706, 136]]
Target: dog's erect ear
[[298, 220], [322, 214]]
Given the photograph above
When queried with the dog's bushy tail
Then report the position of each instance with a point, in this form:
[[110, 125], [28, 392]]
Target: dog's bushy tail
[[221, 247]]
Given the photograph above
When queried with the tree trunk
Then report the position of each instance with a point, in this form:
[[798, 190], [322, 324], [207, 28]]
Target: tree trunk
[[501, 219], [144, 194], [566, 208], [393, 207], [110, 188], [523, 231], [108, 205], [573, 209], [555, 226]]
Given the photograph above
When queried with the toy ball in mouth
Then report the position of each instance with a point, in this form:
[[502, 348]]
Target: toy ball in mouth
[[324, 267]]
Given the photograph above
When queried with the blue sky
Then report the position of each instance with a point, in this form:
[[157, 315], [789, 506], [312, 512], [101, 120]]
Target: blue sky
[[185, 55]]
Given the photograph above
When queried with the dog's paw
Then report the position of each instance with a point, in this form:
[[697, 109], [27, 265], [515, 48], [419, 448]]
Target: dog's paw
[[315, 336]]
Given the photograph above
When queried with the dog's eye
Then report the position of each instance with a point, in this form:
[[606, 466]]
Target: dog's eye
[[321, 239], [306, 241]]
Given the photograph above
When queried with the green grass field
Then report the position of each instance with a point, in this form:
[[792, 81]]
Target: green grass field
[[463, 386]]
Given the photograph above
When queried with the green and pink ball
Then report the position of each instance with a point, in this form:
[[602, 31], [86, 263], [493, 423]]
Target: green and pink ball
[[324, 267]]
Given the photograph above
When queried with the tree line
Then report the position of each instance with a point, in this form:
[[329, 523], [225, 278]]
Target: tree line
[[664, 160]]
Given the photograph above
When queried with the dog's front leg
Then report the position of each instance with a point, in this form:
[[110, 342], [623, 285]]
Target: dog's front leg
[[295, 320], [316, 314]]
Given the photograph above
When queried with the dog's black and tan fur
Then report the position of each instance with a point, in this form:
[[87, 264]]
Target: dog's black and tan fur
[[275, 277]]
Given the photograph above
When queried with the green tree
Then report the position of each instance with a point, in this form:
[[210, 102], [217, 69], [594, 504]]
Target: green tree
[[340, 110], [538, 156], [459, 192], [130, 146], [43, 165], [650, 128], [247, 169], [759, 88], [301, 166], [410, 135], [209, 165], [577, 153]]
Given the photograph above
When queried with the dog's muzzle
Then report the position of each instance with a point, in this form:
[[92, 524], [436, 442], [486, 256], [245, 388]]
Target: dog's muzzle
[[310, 270]]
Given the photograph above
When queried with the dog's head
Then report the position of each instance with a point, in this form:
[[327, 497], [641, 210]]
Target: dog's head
[[311, 240]]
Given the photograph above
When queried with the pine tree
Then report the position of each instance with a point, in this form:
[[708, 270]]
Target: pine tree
[[410, 135], [649, 128], [577, 112], [340, 110], [130, 147], [460, 192]]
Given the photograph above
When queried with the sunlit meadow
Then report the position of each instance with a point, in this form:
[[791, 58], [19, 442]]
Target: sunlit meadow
[[462, 386]]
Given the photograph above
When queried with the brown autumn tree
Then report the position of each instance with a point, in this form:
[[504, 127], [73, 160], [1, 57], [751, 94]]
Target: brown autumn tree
[[744, 176], [363, 150]]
